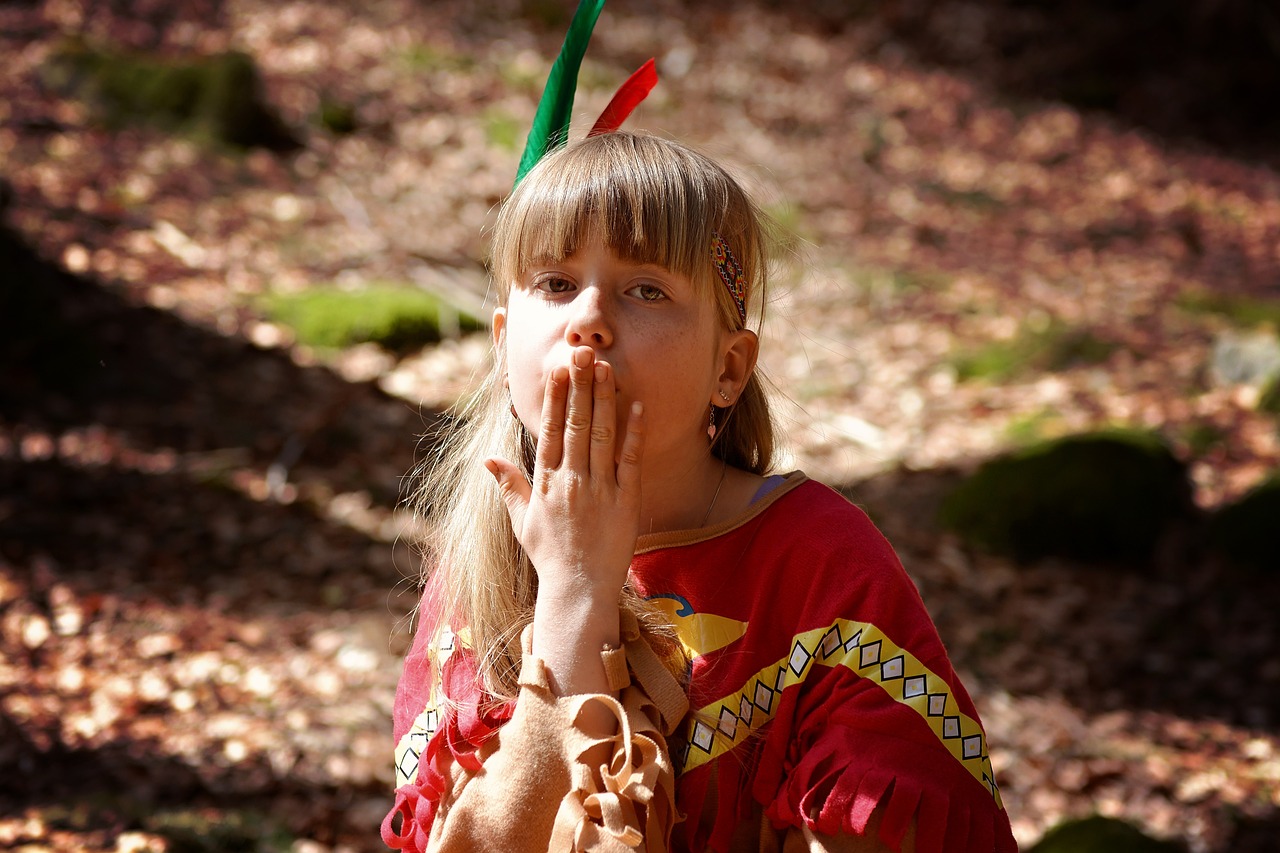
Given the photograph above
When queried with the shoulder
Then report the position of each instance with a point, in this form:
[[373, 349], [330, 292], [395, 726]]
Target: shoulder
[[815, 520]]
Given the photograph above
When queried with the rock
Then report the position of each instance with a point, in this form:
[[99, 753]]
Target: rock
[[1099, 834], [1245, 532], [1269, 396], [215, 97], [1103, 496], [1250, 358]]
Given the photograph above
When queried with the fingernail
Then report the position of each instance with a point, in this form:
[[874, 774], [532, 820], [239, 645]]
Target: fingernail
[[601, 372], [582, 357]]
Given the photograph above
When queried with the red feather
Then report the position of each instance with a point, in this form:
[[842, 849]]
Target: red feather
[[628, 96]]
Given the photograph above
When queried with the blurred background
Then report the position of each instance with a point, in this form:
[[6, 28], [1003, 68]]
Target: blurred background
[[1025, 312]]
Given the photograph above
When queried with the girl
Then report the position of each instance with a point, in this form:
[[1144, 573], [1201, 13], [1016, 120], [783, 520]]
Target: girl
[[636, 635]]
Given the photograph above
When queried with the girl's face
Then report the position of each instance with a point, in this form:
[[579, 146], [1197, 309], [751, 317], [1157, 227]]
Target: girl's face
[[658, 331]]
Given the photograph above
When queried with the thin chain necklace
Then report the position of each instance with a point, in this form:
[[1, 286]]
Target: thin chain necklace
[[724, 464]]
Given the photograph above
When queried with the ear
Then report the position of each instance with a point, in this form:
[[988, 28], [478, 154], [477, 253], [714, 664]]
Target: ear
[[737, 362], [499, 327]]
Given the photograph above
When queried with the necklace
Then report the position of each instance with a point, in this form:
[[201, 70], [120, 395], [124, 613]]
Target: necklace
[[724, 464]]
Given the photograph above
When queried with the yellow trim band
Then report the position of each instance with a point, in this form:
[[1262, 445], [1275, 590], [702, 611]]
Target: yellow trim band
[[863, 648]]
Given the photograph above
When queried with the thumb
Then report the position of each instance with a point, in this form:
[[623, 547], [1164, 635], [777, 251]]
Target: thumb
[[513, 487]]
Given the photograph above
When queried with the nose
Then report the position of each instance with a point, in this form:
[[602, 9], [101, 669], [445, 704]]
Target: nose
[[591, 324]]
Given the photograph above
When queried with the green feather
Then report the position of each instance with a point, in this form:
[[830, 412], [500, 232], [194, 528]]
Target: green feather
[[551, 122]]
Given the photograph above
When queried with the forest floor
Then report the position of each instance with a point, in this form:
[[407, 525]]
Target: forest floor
[[205, 581]]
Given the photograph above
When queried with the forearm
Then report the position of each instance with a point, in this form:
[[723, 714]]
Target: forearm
[[564, 769]]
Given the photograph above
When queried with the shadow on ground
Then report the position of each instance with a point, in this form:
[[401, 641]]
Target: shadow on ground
[[1204, 70], [1180, 634]]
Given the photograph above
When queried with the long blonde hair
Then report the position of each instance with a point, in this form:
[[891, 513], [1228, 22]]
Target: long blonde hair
[[651, 200]]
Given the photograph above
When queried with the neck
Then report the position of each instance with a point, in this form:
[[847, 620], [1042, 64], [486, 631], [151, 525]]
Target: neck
[[677, 497]]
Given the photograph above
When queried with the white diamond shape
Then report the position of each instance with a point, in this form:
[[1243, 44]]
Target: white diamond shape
[[913, 687], [799, 658], [937, 704], [870, 654], [746, 710], [702, 735], [951, 727], [852, 643], [764, 697], [408, 765], [781, 680], [831, 642], [892, 668], [728, 723], [971, 747]]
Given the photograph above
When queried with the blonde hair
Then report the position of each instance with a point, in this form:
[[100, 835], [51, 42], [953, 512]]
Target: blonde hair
[[651, 200]]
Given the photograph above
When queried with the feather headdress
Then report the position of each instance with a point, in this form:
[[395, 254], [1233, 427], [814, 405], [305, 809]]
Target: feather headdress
[[550, 127]]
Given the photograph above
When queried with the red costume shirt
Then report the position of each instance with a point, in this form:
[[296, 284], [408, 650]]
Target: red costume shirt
[[819, 687]]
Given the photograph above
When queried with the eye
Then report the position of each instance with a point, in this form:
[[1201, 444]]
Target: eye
[[553, 284], [649, 292]]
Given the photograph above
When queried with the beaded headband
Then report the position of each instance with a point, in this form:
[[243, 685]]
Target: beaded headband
[[730, 273]]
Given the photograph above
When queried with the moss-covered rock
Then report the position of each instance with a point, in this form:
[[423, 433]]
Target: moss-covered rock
[[1103, 496], [1269, 397], [1245, 532], [398, 318], [218, 97], [1102, 835], [337, 117], [1056, 347]]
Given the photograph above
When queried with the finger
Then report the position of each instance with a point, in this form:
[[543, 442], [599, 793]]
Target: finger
[[604, 419], [551, 432], [632, 451], [577, 423], [514, 489]]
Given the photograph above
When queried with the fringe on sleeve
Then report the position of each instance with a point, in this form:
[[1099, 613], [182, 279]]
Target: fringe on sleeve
[[467, 722], [627, 803], [837, 772]]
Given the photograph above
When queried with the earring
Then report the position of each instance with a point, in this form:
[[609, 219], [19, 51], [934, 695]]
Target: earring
[[723, 396], [711, 425]]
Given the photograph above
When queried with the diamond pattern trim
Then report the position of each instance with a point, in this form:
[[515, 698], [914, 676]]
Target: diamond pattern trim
[[863, 648], [414, 742]]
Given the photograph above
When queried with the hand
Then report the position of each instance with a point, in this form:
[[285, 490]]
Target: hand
[[579, 519]]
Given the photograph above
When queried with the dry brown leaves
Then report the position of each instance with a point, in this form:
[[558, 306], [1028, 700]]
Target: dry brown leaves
[[198, 579]]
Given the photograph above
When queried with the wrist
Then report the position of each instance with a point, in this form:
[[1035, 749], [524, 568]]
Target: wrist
[[577, 613]]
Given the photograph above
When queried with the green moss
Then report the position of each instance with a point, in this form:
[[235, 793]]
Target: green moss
[[216, 98], [1245, 532], [877, 282], [978, 200], [503, 130], [1034, 427], [1201, 438], [1245, 311], [1101, 496], [214, 831], [1269, 399], [336, 116], [1101, 835], [548, 14], [1053, 348], [432, 58], [399, 318]]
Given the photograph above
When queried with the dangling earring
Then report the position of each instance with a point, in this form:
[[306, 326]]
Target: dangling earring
[[711, 425]]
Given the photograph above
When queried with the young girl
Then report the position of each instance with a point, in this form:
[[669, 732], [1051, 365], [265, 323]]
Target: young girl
[[635, 635]]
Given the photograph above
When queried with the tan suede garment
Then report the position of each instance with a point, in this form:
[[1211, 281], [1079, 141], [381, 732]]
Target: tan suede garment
[[534, 793]]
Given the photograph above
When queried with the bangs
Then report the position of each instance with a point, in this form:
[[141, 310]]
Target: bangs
[[651, 201]]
